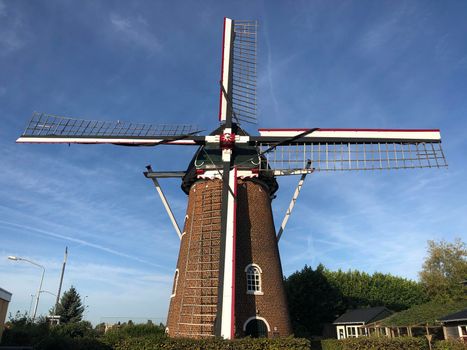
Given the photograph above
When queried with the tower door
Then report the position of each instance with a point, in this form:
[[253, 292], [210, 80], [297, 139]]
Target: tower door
[[256, 329]]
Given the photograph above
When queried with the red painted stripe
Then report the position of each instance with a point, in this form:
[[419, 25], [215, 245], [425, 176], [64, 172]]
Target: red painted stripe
[[343, 129], [222, 71], [232, 330]]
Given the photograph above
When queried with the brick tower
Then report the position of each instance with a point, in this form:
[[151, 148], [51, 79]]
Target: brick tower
[[260, 302], [260, 307]]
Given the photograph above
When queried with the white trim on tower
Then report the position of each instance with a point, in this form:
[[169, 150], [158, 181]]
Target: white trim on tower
[[228, 296]]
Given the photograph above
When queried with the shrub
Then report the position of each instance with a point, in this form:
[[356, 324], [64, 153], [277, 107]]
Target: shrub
[[449, 345], [119, 333], [372, 343], [57, 342], [151, 343], [21, 331], [74, 330], [331, 344]]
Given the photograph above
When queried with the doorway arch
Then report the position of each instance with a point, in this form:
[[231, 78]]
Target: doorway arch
[[256, 327]]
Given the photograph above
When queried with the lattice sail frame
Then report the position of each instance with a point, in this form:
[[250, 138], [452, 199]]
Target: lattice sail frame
[[355, 150], [244, 74], [48, 128], [237, 100], [333, 156]]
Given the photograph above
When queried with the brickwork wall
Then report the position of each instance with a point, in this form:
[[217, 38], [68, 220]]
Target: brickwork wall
[[193, 309], [257, 244], [3, 312]]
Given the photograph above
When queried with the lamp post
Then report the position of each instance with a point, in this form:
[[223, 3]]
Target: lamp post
[[85, 306], [16, 258], [30, 305]]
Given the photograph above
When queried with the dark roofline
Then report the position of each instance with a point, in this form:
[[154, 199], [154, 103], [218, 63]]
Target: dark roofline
[[363, 315], [455, 317]]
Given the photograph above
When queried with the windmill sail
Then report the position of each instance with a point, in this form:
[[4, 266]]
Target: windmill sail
[[350, 149], [47, 128], [244, 74], [238, 72]]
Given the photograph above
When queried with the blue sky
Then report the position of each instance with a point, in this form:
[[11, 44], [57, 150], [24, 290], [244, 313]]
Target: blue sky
[[371, 64]]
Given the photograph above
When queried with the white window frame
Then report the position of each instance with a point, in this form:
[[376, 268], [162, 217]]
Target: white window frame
[[254, 292], [338, 330], [353, 333], [461, 335], [174, 287]]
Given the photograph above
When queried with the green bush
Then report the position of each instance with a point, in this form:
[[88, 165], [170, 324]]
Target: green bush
[[426, 313], [151, 343], [21, 331], [128, 331], [74, 330], [331, 344], [373, 343], [449, 345], [56, 342]]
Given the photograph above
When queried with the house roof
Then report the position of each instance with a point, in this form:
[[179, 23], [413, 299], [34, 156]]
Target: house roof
[[457, 316], [367, 315], [5, 295]]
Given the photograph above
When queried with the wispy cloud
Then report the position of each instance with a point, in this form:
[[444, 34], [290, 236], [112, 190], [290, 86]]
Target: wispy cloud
[[96, 281], [377, 223], [2, 9], [390, 29], [12, 31], [135, 31], [77, 240]]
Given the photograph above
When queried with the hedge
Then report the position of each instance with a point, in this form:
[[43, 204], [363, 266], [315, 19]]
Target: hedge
[[156, 343], [57, 342], [449, 345], [118, 334], [372, 343]]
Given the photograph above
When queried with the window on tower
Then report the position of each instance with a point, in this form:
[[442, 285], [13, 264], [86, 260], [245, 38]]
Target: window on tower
[[174, 286], [253, 279]]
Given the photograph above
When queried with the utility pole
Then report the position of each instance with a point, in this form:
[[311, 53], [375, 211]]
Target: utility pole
[[61, 281]]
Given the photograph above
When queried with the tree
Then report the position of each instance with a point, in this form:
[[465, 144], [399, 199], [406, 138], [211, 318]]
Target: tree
[[318, 297], [312, 301], [360, 289], [70, 308], [444, 269]]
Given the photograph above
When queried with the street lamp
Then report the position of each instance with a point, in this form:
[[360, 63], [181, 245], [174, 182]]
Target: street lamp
[[46, 291], [16, 258]]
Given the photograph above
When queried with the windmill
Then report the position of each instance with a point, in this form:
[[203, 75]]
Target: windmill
[[228, 279]]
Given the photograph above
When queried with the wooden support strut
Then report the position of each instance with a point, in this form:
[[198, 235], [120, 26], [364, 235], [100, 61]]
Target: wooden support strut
[[292, 202], [165, 202]]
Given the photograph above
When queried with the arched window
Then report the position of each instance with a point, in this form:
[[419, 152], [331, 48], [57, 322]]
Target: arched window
[[253, 279], [174, 287], [256, 327]]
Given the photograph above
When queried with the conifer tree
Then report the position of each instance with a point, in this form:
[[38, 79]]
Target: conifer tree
[[70, 308]]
